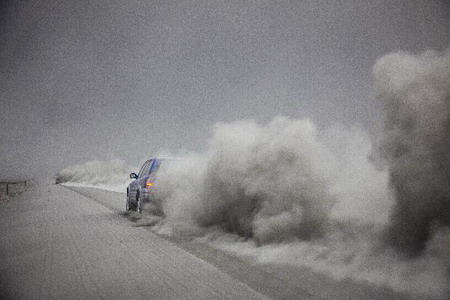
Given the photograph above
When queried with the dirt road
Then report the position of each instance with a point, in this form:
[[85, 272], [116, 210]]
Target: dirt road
[[57, 244], [78, 243]]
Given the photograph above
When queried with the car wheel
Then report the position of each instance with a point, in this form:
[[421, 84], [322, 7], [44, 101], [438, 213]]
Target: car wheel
[[139, 204], [127, 205]]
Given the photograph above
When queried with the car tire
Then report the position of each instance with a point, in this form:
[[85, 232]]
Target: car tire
[[139, 203], [128, 204]]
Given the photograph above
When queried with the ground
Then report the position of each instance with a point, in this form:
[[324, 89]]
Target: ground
[[61, 243]]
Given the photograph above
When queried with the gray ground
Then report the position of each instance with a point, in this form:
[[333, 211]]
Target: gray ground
[[57, 244], [60, 243]]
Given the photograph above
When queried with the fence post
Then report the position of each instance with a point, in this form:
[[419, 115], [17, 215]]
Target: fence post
[[7, 189]]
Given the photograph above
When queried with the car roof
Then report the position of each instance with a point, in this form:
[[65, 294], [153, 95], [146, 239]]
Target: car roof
[[162, 158], [166, 158]]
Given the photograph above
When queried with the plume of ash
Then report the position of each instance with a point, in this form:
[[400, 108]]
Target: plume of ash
[[113, 174], [273, 183], [416, 143], [289, 193]]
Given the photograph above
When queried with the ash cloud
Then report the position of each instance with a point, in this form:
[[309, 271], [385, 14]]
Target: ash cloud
[[415, 90], [113, 173], [277, 182], [291, 193]]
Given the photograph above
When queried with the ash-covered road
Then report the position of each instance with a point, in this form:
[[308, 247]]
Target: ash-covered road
[[57, 244], [78, 243]]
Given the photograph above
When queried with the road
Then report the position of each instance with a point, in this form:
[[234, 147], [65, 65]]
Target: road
[[78, 243], [57, 244]]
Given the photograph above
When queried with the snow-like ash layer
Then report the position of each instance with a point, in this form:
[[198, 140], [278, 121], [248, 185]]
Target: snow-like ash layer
[[416, 144]]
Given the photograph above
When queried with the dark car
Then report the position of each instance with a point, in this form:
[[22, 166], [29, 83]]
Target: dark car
[[139, 191]]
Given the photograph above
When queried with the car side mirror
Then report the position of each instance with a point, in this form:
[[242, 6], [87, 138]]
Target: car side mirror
[[133, 176]]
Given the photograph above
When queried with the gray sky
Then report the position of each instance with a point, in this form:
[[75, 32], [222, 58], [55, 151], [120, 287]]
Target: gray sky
[[129, 78]]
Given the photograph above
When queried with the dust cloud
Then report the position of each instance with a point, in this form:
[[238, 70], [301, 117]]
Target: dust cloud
[[416, 93], [290, 193], [276, 182], [110, 174], [293, 193]]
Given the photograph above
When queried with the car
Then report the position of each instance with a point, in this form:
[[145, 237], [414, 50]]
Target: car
[[139, 191]]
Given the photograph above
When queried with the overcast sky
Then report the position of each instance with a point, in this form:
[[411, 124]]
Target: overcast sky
[[90, 79]]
